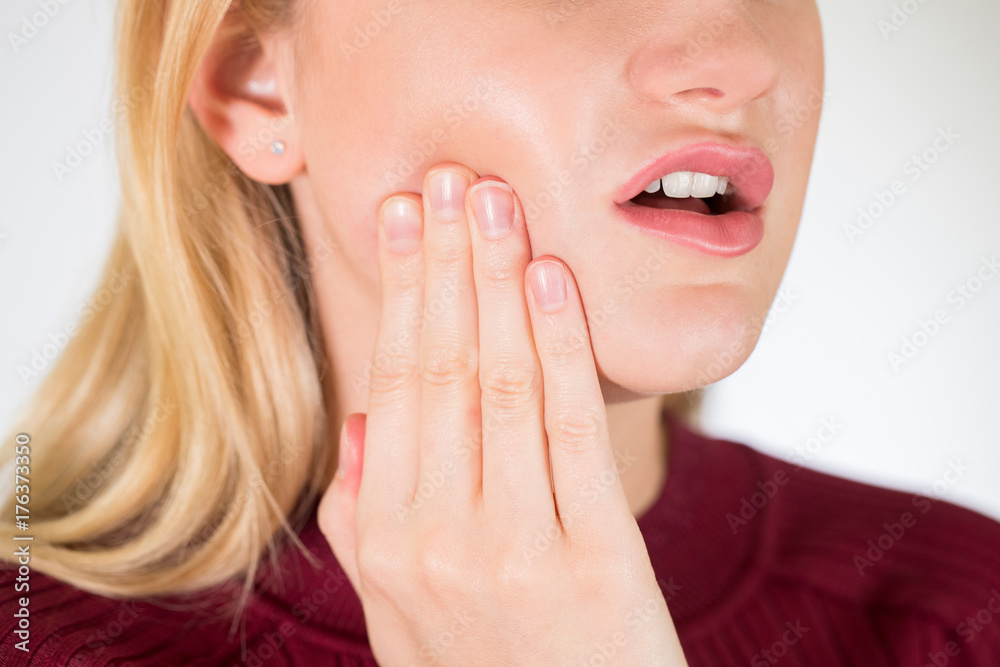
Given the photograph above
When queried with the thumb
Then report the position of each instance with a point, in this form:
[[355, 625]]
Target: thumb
[[337, 508]]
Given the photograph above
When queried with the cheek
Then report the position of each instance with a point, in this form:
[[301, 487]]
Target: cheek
[[374, 123]]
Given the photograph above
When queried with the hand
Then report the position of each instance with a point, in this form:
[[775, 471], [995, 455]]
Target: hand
[[482, 521]]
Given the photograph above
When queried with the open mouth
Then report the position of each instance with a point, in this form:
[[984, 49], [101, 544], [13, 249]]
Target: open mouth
[[708, 178], [696, 208], [706, 196], [689, 191], [715, 205]]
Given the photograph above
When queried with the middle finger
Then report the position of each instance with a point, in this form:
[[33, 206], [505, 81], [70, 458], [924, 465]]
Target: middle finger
[[515, 459], [450, 460]]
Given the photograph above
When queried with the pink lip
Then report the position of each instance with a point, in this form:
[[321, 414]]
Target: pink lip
[[727, 235], [749, 171]]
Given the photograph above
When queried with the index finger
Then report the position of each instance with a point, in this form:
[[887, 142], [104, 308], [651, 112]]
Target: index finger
[[391, 452]]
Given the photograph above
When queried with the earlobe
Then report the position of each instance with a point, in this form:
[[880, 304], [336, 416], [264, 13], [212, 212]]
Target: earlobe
[[237, 100]]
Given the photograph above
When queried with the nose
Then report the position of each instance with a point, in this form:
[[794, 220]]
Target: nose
[[713, 54]]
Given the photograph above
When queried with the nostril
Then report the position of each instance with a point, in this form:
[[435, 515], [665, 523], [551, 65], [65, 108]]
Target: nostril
[[704, 93]]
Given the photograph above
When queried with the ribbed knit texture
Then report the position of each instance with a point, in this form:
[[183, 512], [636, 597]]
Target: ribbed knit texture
[[762, 563]]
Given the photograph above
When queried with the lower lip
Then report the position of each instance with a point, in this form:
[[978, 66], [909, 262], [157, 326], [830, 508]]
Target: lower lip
[[727, 235]]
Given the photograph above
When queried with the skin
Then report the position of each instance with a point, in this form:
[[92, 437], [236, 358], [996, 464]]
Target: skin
[[515, 93]]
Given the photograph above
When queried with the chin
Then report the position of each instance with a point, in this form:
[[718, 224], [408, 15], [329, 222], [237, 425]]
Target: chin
[[685, 338]]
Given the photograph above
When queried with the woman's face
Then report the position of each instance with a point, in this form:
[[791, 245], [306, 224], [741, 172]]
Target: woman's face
[[567, 101]]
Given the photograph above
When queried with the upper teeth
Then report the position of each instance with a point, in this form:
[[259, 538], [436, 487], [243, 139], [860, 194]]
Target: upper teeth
[[682, 184]]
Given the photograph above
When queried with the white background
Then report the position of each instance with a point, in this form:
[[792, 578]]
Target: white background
[[851, 303]]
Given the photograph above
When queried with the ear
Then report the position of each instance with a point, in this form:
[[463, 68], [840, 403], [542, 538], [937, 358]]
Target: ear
[[238, 100]]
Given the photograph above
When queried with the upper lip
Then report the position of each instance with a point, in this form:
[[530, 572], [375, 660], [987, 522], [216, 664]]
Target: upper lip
[[749, 171]]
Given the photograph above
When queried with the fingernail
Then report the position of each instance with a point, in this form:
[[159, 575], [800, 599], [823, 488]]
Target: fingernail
[[494, 206], [548, 285], [403, 227], [448, 194]]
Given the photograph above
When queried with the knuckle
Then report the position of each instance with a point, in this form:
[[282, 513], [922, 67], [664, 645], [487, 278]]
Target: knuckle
[[507, 384], [448, 253], [565, 348], [392, 373], [514, 576], [498, 271], [575, 429], [447, 363], [378, 562], [437, 569], [593, 574], [403, 278]]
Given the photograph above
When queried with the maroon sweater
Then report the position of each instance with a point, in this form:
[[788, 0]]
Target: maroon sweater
[[761, 562]]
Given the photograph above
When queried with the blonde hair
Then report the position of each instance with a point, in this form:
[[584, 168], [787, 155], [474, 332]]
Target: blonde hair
[[185, 424]]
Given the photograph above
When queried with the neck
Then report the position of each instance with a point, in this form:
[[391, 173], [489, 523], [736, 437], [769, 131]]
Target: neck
[[639, 440]]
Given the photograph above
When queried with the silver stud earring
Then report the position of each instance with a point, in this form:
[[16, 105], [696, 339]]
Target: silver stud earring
[[278, 147]]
